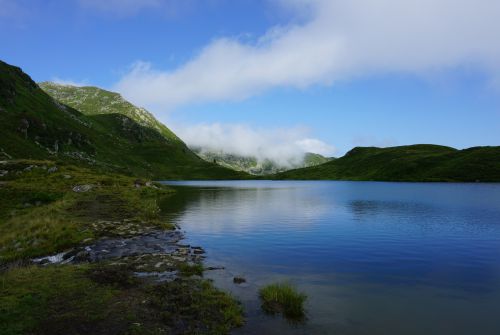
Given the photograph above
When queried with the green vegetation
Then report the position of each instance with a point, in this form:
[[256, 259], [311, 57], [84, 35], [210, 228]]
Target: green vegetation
[[40, 213], [95, 101], [69, 178], [191, 269], [283, 298], [421, 162], [108, 134], [50, 300], [255, 167], [91, 299], [49, 207], [204, 310]]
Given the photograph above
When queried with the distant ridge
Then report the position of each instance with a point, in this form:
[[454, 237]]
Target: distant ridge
[[420, 162], [257, 167]]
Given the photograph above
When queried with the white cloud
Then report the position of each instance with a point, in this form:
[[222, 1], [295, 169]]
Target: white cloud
[[335, 40], [315, 146], [285, 146], [69, 82]]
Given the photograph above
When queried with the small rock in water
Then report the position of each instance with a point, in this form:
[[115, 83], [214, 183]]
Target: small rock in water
[[210, 268], [198, 251], [70, 254], [239, 280], [44, 261]]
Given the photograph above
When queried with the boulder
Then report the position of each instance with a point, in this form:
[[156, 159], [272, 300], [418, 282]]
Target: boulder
[[82, 188]]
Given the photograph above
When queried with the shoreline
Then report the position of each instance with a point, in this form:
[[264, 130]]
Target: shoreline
[[128, 268]]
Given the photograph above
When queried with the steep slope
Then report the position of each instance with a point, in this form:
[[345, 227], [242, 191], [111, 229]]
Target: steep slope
[[35, 125], [408, 163], [255, 167], [96, 101]]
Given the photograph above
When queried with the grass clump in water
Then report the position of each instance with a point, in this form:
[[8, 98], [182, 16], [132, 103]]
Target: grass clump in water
[[283, 298]]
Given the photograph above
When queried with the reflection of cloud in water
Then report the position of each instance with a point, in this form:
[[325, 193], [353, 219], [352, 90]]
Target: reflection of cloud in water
[[240, 210]]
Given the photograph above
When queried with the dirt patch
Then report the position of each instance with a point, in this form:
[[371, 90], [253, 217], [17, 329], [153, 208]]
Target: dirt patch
[[100, 207]]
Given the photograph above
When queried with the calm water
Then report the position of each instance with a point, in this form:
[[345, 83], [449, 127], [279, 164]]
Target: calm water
[[373, 258]]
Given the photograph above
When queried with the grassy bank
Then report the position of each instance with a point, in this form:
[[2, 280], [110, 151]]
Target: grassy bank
[[48, 207]]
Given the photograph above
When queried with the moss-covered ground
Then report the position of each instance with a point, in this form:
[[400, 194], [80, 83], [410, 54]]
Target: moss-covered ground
[[48, 207]]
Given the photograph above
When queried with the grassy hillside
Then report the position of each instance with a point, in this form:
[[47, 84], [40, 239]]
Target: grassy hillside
[[34, 125], [255, 167], [95, 101], [408, 163], [61, 191]]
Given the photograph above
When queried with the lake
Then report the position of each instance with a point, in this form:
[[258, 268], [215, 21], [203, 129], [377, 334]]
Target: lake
[[372, 257]]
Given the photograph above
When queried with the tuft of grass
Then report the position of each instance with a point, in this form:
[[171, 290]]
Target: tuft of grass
[[283, 298], [189, 270]]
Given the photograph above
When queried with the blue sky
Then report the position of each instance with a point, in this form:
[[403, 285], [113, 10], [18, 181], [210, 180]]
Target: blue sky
[[277, 77]]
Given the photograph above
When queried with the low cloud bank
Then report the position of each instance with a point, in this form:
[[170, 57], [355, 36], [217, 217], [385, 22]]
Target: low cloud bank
[[285, 147]]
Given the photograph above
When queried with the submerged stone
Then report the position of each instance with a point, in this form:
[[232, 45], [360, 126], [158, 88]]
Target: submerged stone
[[239, 280]]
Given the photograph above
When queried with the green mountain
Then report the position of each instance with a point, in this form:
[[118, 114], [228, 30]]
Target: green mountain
[[420, 162], [107, 133], [254, 166], [95, 101]]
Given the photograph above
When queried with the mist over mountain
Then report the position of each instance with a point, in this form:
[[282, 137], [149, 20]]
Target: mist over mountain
[[258, 167], [285, 148]]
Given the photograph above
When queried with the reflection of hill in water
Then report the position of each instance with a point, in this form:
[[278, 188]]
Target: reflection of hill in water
[[239, 209]]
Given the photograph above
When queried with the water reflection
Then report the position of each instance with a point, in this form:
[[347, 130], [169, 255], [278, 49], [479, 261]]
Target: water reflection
[[239, 210], [374, 258]]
